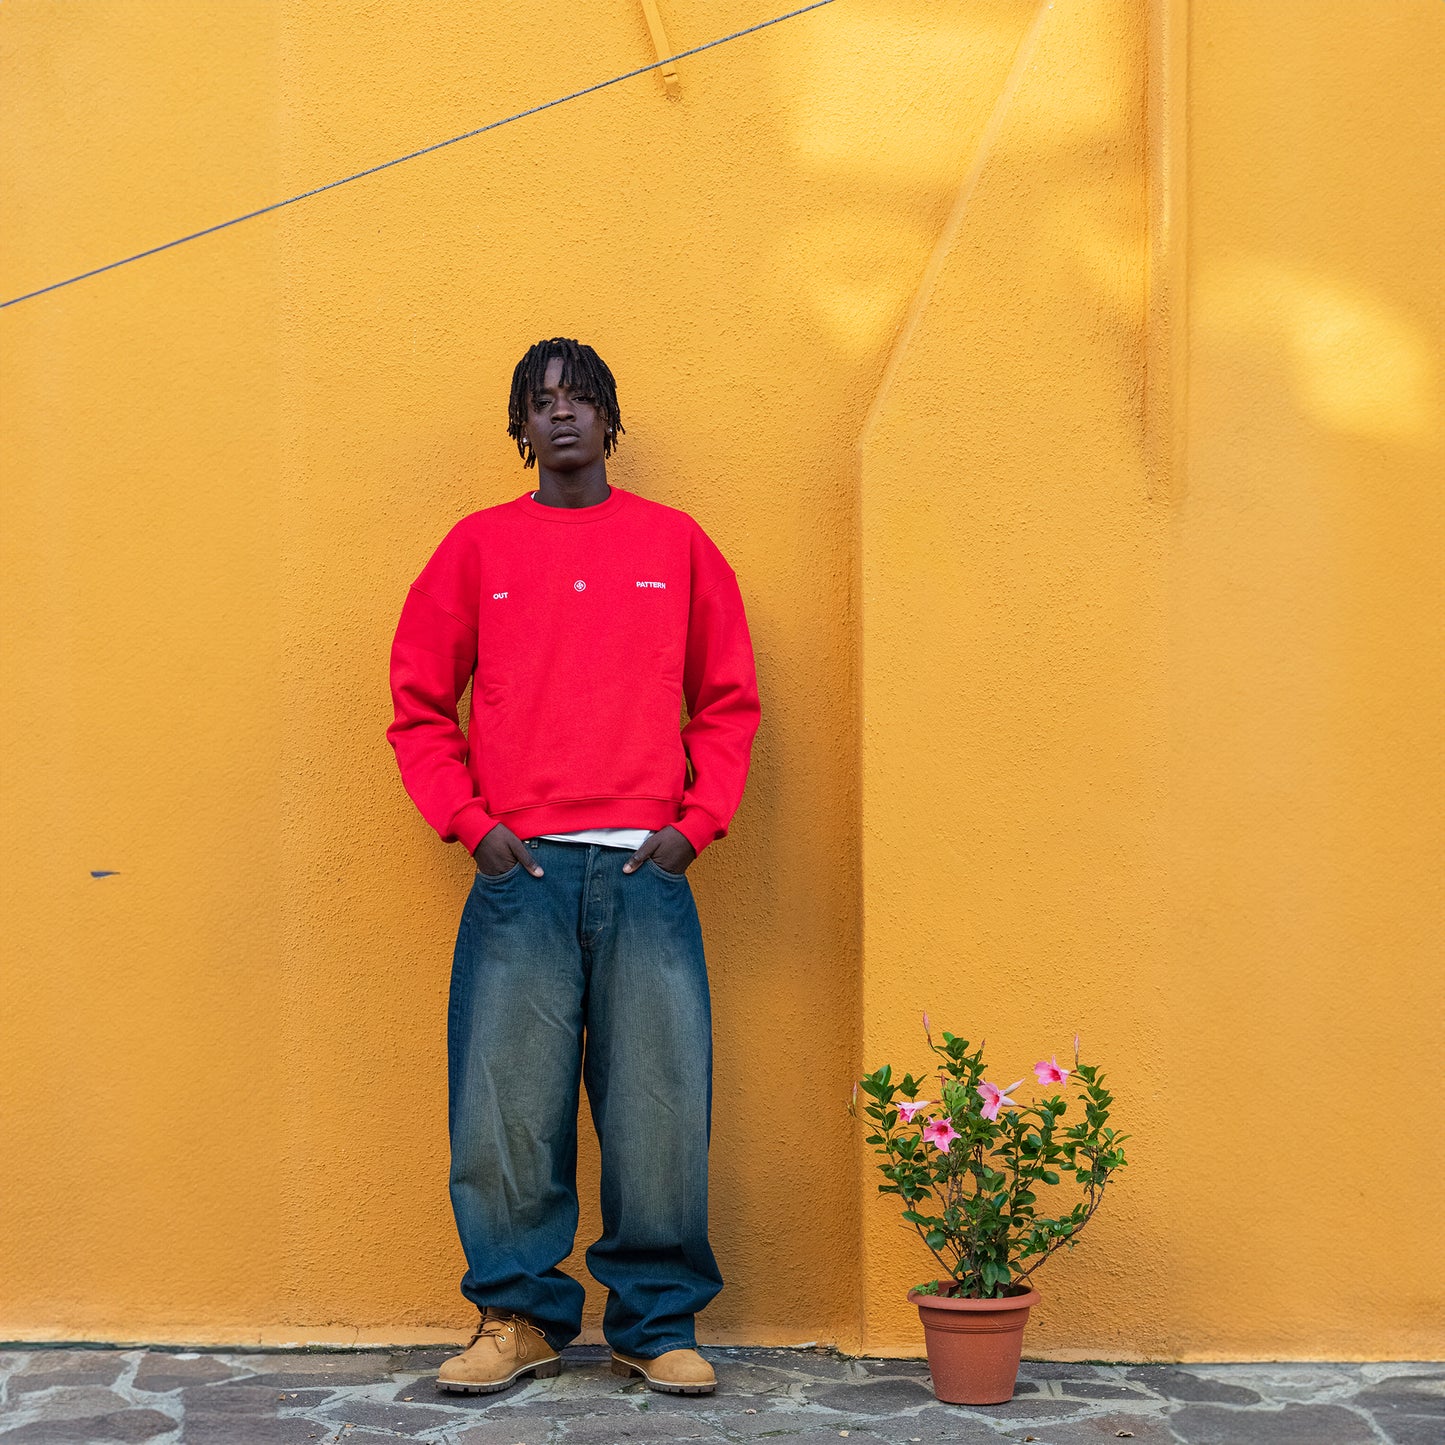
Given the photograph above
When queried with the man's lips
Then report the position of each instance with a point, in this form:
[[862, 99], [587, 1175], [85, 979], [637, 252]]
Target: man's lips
[[566, 436]]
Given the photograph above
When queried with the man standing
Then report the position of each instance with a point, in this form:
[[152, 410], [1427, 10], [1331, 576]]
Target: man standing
[[583, 615]]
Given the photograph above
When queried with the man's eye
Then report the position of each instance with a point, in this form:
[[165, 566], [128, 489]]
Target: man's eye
[[538, 402]]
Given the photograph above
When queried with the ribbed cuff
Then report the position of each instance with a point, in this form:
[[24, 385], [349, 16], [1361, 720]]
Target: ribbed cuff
[[699, 828], [471, 823]]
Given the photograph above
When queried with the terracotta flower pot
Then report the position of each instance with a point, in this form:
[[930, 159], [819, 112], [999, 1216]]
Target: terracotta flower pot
[[974, 1345]]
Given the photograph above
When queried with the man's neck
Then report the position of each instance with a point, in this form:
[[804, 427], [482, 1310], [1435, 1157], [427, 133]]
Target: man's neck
[[585, 487]]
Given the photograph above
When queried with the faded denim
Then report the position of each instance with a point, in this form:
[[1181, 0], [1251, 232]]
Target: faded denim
[[586, 972]]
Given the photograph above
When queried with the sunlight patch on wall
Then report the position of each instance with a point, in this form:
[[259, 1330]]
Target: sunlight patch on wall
[[1105, 249], [856, 272], [899, 90], [1359, 364], [1084, 84]]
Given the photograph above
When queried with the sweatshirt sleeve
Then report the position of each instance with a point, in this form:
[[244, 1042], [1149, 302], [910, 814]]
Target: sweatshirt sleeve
[[721, 687], [433, 657]]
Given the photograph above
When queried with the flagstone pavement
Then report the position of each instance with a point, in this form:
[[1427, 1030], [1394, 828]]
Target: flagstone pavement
[[90, 1396]]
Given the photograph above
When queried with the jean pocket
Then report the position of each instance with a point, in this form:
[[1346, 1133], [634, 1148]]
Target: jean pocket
[[499, 877], [658, 868]]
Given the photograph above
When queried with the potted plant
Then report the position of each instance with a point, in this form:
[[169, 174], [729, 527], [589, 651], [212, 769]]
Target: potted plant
[[968, 1167]]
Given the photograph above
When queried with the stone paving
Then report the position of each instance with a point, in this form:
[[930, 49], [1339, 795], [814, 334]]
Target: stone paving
[[794, 1397]]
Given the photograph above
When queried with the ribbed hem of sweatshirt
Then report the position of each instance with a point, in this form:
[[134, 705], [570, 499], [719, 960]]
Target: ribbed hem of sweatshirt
[[570, 814], [700, 828]]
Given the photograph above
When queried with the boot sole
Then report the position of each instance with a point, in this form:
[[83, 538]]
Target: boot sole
[[543, 1371], [621, 1367]]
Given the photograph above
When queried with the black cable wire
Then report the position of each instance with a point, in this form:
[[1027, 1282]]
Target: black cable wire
[[425, 150]]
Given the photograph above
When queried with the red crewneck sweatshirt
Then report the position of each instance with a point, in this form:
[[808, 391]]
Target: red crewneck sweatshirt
[[582, 630]]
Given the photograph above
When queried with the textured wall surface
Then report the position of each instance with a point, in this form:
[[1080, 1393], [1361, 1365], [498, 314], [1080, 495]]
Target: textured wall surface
[[1013, 575], [1044, 749], [1305, 810], [1163, 764], [225, 463]]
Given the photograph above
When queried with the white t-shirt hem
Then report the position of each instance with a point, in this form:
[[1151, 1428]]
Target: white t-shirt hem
[[609, 837]]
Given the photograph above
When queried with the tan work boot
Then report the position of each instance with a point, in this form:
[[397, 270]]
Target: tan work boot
[[505, 1347], [679, 1372]]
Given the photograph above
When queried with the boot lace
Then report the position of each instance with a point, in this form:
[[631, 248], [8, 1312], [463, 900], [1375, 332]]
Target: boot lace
[[494, 1325]]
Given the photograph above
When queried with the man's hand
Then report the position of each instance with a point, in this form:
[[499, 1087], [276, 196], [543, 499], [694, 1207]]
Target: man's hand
[[500, 848], [666, 847]]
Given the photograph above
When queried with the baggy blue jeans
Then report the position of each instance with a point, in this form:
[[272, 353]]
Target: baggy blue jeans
[[586, 972]]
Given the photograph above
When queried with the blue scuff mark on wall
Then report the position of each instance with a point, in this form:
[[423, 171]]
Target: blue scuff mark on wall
[[104, 872]]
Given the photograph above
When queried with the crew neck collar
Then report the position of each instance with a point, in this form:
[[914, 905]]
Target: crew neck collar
[[595, 513]]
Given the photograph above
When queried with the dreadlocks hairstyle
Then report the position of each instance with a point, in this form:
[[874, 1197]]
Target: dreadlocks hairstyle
[[582, 370]]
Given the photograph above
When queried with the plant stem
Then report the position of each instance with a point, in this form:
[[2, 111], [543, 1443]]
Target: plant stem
[[1094, 1202]]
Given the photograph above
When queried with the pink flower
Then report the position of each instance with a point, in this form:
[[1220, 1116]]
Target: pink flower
[[1049, 1072], [1076, 1051], [940, 1133], [907, 1111], [926, 1033], [995, 1098]]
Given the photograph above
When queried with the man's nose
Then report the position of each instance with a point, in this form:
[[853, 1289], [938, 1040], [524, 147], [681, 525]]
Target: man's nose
[[563, 407]]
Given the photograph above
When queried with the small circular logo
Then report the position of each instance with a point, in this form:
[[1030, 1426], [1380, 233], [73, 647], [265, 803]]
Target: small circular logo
[[580, 585]]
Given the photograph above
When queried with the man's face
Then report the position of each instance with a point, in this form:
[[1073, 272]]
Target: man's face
[[565, 428]]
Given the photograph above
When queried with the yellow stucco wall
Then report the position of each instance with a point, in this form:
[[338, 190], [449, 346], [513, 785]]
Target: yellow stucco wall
[[1147, 753], [1158, 759]]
